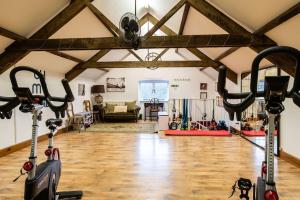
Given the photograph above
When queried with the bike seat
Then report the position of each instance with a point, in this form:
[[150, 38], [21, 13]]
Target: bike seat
[[53, 122]]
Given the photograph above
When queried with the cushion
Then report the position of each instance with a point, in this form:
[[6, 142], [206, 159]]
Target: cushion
[[130, 106], [120, 109], [110, 108]]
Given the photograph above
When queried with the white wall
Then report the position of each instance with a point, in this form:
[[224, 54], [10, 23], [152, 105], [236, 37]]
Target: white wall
[[187, 89], [18, 128], [289, 129], [289, 126]]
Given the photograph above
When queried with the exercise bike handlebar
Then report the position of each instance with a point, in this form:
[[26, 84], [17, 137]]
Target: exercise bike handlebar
[[238, 108], [60, 109], [6, 109], [248, 98]]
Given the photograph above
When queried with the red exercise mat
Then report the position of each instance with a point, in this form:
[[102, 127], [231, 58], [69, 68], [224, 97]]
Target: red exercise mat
[[255, 133], [222, 133]]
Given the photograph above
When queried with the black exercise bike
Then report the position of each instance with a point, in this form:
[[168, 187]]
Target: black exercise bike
[[42, 180], [274, 93]]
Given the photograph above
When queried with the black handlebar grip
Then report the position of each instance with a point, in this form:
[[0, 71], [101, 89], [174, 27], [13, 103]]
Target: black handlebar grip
[[6, 109], [69, 96], [238, 108]]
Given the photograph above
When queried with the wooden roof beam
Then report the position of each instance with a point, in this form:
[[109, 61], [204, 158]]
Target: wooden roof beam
[[66, 56], [183, 41], [11, 35], [8, 58], [114, 30], [232, 27], [290, 13], [165, 18], [75, 71], [138, 64], [183, 20], [226, 53], [231, 75]]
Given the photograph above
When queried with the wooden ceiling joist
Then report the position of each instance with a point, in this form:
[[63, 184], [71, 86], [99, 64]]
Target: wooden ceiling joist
[[183, 20], [9, 34], [161, 54], [290, 13], [226, 53], [9, 58], [66, 56], [114, 30], [75, 71], [231, 75], [138, 64], [165, 18], [183, 41], [229, 25]]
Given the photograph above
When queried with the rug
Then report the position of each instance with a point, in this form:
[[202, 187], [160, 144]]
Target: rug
[[221, 133], [123, 128], [255, 133]]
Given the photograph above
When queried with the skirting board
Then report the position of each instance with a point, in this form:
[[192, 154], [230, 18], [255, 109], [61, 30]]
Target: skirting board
[[17, 147], [290, 158]]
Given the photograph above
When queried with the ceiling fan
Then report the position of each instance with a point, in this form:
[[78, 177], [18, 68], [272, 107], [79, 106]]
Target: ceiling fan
[[130, 29]]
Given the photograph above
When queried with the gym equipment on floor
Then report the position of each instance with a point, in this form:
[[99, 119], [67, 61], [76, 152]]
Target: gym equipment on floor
[[213, 123], [42, 180], [220, 133], [204, 113], [274, 93], [173, 125], [222, 125], [185, 123]]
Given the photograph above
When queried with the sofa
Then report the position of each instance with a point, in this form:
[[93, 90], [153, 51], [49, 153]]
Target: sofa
[[111, 111]]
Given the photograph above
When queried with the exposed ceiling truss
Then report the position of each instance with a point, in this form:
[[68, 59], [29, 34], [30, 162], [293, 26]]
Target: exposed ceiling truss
[[237, 37]]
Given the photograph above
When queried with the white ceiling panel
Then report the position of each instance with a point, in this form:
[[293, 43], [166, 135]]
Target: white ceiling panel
[[4, 42], [26, 17], [114, 55], [91, 74], [84, 24], [82, 54], [241, 60], [213, 53], [255, 13], [287, 33], [198, 24], [47, 61]]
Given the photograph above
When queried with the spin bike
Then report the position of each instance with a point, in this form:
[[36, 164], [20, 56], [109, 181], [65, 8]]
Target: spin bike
[[42, 180], [274, 93]]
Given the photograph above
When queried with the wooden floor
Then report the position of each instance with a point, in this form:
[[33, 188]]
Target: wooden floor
[[151, 167]]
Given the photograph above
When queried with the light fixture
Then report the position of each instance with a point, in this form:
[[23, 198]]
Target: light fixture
[[152, 56]]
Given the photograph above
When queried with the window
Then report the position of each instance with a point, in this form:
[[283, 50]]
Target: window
[[149, 89]]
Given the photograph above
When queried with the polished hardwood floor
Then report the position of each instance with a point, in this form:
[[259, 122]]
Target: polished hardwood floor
[[151, 167]]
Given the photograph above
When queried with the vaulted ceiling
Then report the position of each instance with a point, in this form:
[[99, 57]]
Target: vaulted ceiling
[[22, 19]]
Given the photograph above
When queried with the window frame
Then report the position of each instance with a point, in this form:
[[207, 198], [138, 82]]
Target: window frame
[[153, 88]]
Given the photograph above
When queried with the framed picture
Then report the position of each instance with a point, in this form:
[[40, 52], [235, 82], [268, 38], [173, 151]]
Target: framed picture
[[115, 84], [203, 86], [203, 95], [81, 89]]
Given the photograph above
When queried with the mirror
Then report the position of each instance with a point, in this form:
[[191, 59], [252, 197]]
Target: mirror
[[253, 124]]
